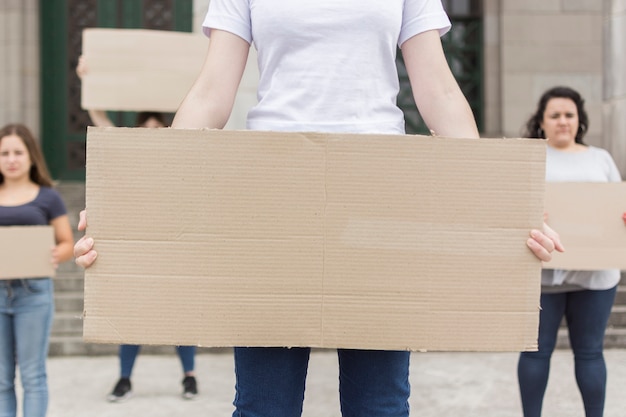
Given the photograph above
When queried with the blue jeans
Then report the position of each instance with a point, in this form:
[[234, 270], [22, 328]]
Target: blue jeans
[[128, 354], [26, 311], [270, 382], [587, 314]]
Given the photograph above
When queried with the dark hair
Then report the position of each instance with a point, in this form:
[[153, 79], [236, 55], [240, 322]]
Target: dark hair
[[533, 125], [38, 171], [142, 117]]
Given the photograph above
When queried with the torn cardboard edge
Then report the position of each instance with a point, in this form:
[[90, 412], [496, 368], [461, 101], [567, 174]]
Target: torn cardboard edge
[[241, 238], [26, 252]]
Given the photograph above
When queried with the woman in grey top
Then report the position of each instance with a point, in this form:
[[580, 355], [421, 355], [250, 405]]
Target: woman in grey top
[[584, 298]]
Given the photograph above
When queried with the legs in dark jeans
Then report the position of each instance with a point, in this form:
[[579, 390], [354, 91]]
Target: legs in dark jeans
[[587, 313], [128, 354], [187, 355], [271, 382]]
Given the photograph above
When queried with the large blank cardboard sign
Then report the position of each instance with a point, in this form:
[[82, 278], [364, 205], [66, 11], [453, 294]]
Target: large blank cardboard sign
[[139, 69], [588, 218], [240, 238], [26, 252]]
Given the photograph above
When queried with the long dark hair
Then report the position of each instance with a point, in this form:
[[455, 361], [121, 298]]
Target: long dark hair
[[38, 171], [533, 125]]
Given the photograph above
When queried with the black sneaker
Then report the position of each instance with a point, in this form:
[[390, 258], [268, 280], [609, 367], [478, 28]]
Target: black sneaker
[[190, 388], [121, 392]]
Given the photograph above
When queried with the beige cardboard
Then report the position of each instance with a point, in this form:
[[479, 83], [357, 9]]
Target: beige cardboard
[[588, 218], [240, 238], [139, 69], [26, 251]]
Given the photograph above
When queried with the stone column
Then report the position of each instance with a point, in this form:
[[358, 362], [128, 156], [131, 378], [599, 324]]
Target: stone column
[[19, 67], [614, 94]]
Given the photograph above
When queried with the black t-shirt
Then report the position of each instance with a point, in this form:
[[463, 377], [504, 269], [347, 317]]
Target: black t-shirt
[[47, 206]]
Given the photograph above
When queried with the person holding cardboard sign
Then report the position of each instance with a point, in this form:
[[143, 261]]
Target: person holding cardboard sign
[[128, 353], [27, 304], [326, 66], [584, 298]]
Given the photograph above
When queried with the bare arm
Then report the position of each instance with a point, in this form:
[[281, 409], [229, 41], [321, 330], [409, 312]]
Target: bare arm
[[98, 117], [437, 94], [64, 240], [211, 98]]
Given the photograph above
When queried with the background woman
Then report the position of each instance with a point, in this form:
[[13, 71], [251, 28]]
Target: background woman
[[27, 304], [584, 298]]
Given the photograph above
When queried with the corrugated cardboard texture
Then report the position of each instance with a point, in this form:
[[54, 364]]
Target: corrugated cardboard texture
[[138, 69], [588, 218], [26, 251], [233, 238]]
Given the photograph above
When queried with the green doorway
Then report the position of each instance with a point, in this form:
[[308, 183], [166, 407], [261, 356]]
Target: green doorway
[[63, 122]]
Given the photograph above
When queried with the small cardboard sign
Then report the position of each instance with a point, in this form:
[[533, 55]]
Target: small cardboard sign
[[139, 69], [26, 252], [589, 220]]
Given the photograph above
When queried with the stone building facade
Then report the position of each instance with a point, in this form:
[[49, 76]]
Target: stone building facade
[[528, 46]]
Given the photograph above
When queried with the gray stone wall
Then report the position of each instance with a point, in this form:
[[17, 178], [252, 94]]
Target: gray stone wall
[[546, 43], [614, 95]]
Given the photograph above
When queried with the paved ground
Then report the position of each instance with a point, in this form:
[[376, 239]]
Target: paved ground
[[444, 384]]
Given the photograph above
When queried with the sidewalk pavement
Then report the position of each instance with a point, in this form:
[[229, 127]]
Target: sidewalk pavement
[[443, 384]]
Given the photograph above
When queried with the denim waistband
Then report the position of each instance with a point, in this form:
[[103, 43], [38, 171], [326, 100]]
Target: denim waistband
[[15, 282]]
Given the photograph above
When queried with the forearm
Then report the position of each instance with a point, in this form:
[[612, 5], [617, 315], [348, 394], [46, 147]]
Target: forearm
[[64, 251], [200, 111], [212, 96], [437, 94], [448, 114], [99, 118]]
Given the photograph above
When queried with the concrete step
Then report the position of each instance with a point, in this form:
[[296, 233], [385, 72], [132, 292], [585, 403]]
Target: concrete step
[[67, 323], [69, 301], [618, 316], [615, 338], [68, 283], [65, 345], [74, 345], [620, 297]]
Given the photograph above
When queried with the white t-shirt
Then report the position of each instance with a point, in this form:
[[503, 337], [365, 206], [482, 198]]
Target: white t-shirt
[[327, 65], [592, 165]]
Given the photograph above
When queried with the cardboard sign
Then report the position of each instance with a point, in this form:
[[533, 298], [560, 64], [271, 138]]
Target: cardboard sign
[[139, 69], [242, 238], [588, 218], [26, 251]]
